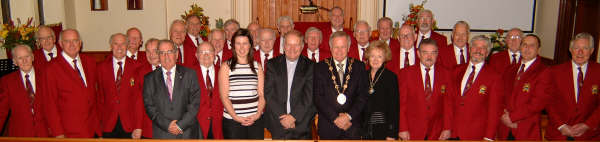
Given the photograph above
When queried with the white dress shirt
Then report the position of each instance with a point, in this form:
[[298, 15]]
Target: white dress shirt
[[527, 64], [281, 45], [211, 74], [53, 51], [172, 70], [291, 69], [575, 75], [79, 65], [427, 35], [116, 66], [411, 56], [463, 83], [510, 58], [129, 54], [180, 48], [262, 57], [31, 78], [154, 66], [229, 45], [457, 54], [360, 50], [424, 73], [309, 54]]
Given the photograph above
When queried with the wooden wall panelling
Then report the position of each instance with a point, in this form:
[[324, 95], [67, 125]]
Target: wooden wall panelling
[[266, 12]]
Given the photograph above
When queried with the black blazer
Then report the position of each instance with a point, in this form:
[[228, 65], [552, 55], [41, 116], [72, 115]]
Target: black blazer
[[301, 97], [385, 99], [183, 108], [326, 99]]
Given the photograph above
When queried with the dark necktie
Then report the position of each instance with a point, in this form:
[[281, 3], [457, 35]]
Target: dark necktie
[[119, 75], [265, 60], [133, 57], [78, 71], [469, 80], [428, 91], [314, 57], [208, 84], [218, 60], [521, 70], [51, 56], [29, 89], [157, 67], [180, 56], [579, 83], [197, 42], [422, 38], [363, 53], [406, 62], [514, 59], [462, 57]]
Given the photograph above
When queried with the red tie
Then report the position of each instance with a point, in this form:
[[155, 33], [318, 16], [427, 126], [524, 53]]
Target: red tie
[[428, 91], [579, 82], [406, 62], [208, 84], [462, 57], [29, 89], [314, 57], [469, 80], [180, 57], [363, 53], [266, 58], [514, 59], [521, 70], [119, 75], [218, 60]]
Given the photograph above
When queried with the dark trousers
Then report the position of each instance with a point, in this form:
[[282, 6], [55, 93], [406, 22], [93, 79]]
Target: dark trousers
[[377, 131], [117, 132], [235, 130], [209, 135]]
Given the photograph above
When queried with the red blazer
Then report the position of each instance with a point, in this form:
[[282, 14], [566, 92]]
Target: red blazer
[[189, 52], [394, 64], [440, 39], [258, 59], [211, 108], [118, 103], [141, 57], [327, 33], [447, 58], [322, 54], [70, 106], [226, 55], [142, 70], [563, 108], [353, 51], [421, 117], [276, 46], [15, 98], [501, 61], [40, 58], [525, 98], [477, 113]]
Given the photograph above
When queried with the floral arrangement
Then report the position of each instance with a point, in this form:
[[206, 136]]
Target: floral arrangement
[[411, 19], [497, 40], [198, 11], [12, 34]]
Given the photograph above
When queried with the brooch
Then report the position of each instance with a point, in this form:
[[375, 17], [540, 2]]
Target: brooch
[[443, 89], [594, 89], [526, 88], [131, 82], [482, 89]]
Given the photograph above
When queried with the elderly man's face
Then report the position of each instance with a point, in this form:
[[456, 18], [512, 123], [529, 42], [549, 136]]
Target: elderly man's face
[[70, 43], [513, 40], [230, 29], [253, 28], [135, 40], [119, 46], [193, 26], [385, 30], [478, 51], [267, 40], [168, 55], [284, 27], [337, 18], [406, 37], [424, 21], [362, 34], [529, 48], [23, 59], [460, 36], [46, 39], [152, 53], [339, 48], [428, 54], [205, 55], [581, 51], [242, 46], [313, 40], [293, 47], [178, 33], [217, 41]]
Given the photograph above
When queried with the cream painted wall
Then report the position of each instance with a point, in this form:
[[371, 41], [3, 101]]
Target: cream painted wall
[[54, 11], [24, 9], [546, 25], [214, 9]]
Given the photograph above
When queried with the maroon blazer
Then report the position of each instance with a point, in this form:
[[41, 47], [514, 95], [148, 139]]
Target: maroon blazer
[[525, 98], [189, 53], [447, 58], [119, 104], [563, 108], [425, 118], [394, 64], [40, 58], [477, 113], [15, 98], [322, 54], [276, 46], [501, 61], [146, 122], [327, 33], [211, 108], [70, 107], [226, 55], [258, 59], [141, 57], [353, 51], [440, 39]]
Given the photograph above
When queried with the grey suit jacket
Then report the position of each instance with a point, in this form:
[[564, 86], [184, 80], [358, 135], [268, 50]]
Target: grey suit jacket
[[301, 98], [183, 107]]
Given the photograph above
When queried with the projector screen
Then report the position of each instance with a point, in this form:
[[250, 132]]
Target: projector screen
[[482, 15]]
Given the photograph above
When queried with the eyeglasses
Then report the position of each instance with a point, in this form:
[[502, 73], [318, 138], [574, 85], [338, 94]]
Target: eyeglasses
[[205, 52], [173, 51], [48, 38], [514, 37]]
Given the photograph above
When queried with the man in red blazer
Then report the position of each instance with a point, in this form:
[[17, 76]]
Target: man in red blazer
[[425, 112], [285, 24], [134, 35], [177, 34], [477, 103], [574, 112], [384, 26], [362, 32], [266, 51], [217, 40], [336, 15], [70, 98], [18, 92], [254, 28], [510, 57], [526, 89], [313, 39], [406, 55], [456, 53], [210, 113], [229, 28], [117, 93], [425, 21], [45, 39], [153, 62]]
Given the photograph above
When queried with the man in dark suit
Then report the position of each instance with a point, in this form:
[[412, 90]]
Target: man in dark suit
[[425, 25], [134, 35], [70, 99], [312, 49], [266, 50], [406, 55], [340, 91], [18, 96], [362, 32], [425, 112], [217, 40], [504, 60], [574, 110], [172, 97], [477, 103], [210, 113], [117, 92], [456, 53], [289, 93], [45, 39], [153, 63]]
